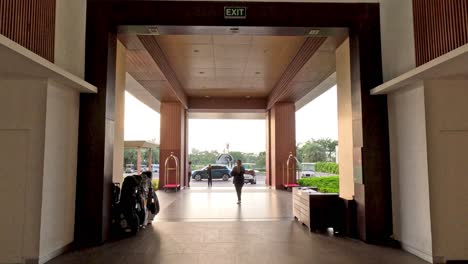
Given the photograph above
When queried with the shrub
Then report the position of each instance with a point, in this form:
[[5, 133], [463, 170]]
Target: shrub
[[155, 184], [327, 167], [328, 184]]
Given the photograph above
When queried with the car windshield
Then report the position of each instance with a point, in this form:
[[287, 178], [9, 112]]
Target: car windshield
[[308, 167]]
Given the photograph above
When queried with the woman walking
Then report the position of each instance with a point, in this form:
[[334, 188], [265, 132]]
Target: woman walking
[[210, 178], [238, 173]]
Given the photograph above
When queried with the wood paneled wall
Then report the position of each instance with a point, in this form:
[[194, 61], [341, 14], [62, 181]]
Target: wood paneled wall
[[172, 139], [439, 27], [282, 140], [30, 23]]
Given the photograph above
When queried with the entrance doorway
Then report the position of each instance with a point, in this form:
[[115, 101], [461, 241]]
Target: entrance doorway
[[312, 21], [220, 143]]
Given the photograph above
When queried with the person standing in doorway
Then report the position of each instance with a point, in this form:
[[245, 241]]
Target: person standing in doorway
[[210, 178], [189, 173], [238, 173]]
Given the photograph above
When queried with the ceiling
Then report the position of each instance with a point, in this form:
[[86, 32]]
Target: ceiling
[[229, 65], [202, 71]]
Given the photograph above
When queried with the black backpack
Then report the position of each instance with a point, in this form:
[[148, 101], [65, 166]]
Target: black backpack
[[125, 220], [153, 205]]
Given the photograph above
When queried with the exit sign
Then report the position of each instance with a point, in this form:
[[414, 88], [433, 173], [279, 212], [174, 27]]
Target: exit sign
[[235, 12]]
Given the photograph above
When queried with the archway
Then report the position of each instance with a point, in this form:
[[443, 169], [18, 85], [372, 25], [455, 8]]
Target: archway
[[371, 172]]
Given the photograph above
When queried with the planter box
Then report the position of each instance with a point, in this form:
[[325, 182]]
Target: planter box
[[319, 211]]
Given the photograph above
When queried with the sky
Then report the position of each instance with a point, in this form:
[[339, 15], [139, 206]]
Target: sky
[[141, 122], [317, 119]]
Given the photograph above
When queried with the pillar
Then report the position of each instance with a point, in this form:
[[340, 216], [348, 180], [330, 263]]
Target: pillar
[[150, 159], [345, 121], [283, 139], [172, 139], [371, 159], [268, 151], [185, 182], [96, 134], [138, 160], [118, 164]]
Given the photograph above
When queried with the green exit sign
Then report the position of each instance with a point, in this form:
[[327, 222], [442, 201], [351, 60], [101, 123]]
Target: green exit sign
[[231, 12]]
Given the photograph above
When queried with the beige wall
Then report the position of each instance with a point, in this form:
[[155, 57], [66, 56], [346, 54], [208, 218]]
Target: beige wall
[[408, 153], [38, 135], [397, 37], [447, 137], [345, 121], [22, 111], [70, 26], [119, 114], [410, 187], [60, 160]]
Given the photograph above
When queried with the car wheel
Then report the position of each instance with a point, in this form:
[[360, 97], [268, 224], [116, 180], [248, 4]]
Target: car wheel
[[198, 177], [225, 177], [253, 182]]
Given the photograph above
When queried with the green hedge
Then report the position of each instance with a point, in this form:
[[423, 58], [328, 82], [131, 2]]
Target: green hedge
[[154, 184], [327, 167], [328, 184]]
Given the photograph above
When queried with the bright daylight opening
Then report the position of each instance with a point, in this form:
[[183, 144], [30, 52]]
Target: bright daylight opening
[[141, 124], [317, 143], [220, 142]]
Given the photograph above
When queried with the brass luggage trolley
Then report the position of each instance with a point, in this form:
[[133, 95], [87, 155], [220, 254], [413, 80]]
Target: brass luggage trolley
[[167, 184], [290, 179]]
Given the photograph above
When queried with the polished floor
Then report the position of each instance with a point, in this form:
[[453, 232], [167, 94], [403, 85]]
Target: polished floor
[[220, 204], [207, 226]]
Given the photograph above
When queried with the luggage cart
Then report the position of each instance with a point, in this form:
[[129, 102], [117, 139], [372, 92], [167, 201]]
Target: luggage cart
[[290, 179], [167, 169]]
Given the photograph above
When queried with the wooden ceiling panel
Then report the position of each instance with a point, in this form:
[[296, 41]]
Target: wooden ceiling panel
[[233, 63], [226, 93], [229, 73], [146, 76], [188, 50], [156, 53], [231, 51], [140, 61], [231, 40], [228, 83], [316, 68], [198, 83], [229, 62], [276, 41], [282, 89], [159, 89], [192, 62], [190, 73], [169, 40], [131, 41], [255, 83]]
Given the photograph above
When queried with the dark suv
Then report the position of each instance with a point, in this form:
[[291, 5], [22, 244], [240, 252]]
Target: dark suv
[[217, 172]]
